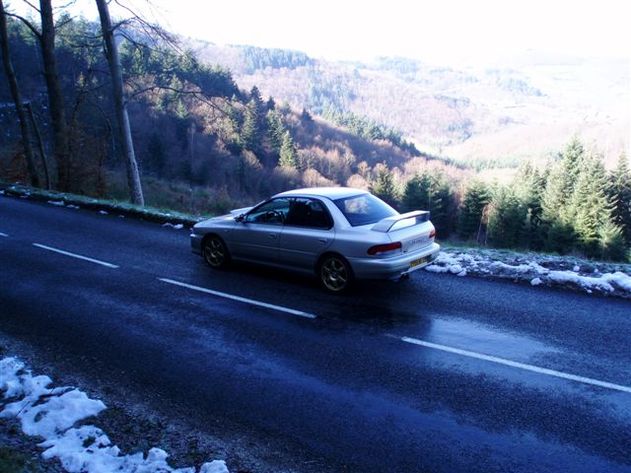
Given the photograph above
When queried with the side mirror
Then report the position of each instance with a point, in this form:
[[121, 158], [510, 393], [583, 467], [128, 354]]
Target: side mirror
[[240, 218]]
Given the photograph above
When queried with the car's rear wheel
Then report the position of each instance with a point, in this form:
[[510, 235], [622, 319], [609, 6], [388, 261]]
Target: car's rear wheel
[[335, 273], [215, 252]]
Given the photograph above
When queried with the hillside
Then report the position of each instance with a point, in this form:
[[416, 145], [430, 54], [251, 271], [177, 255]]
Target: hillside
[[203, 142], [206, 140], [526, 108]]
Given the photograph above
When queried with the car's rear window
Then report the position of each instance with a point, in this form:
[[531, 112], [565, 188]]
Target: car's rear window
[[364, 209]]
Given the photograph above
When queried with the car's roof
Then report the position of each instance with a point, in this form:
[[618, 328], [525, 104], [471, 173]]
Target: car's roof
[[329, 192]]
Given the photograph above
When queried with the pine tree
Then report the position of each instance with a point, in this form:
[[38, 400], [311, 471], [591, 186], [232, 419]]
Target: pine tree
[[254, 123], [255, 96], [620, 196], [529, 186], [251, 130], [557, 228], [288, 153], [305, 116], [383, 186], [507, 216], [430, 191], [612, 243], [589, 208], [475, 199], [562, 180], [275, 129]]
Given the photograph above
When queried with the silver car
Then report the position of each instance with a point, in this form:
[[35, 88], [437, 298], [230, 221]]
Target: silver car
[[338, 233]]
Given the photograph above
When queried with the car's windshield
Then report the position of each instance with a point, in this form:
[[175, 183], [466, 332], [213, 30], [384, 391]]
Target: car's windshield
[[364, 209], [272, 212]]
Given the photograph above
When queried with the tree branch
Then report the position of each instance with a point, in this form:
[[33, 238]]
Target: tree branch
[[27, 23], [31, 5], [195, 94], [62, 23]]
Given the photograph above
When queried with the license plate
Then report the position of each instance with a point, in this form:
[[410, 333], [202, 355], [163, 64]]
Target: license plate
[[419, 261]]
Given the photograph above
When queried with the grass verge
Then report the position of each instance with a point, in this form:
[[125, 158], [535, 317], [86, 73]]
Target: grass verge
[[151, 214]]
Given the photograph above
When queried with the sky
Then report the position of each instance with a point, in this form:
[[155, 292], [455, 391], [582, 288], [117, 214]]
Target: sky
[[440, 30]]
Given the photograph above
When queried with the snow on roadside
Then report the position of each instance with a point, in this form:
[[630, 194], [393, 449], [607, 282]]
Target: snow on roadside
[[538, 270], [177, 226], [52, 413]]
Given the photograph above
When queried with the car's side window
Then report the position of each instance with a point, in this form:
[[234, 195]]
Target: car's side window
[[304, 212], [273, 212]]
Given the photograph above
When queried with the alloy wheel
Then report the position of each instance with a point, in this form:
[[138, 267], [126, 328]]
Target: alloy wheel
[[334, 274], [215, 253]]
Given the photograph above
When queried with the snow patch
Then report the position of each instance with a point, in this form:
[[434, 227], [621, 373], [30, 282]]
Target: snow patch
[[103, 212], [619, 279], [586, 282], [528, 269], [72, 206], [215, 466], [177, 226], [59, 203], [52, 413]]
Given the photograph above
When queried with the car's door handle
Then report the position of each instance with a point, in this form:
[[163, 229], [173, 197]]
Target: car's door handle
[[271, 235], [323, 240]]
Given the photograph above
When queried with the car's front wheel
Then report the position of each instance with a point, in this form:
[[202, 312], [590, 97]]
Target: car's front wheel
[[215, 252], [335, 273]]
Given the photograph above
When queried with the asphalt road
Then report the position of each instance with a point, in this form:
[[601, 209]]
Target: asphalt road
[[435, 374]]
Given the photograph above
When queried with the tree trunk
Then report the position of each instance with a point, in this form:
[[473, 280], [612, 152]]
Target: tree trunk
[[111, 53], [55, 97], [17, 98], [40, 145]]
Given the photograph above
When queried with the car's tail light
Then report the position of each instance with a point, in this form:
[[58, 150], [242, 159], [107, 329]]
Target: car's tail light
[[375, 250], [432, 234]]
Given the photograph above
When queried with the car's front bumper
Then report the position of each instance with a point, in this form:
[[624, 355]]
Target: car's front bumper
[[392, 268], [196, 243]]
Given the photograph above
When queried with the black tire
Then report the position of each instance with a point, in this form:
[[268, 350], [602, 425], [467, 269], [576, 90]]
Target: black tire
[[215, 252], [335, 274]]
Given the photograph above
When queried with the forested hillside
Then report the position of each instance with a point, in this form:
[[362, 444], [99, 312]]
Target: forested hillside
[[203, 143], [480, 115]]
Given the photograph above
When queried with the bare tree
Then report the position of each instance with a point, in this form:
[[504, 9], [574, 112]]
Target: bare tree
[[40, 144], [17, 98], [46, 39], [113, 59], [55, 97]]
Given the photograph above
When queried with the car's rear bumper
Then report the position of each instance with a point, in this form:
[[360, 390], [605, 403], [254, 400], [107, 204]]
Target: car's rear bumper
[[196, 243], [392, 268]]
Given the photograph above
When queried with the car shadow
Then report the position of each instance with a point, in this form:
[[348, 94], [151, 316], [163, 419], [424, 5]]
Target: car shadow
[[381, 304]]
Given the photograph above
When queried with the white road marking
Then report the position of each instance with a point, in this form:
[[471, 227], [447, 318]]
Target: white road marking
[[74, 255], [241, 299], [3, 234], [515, 364]]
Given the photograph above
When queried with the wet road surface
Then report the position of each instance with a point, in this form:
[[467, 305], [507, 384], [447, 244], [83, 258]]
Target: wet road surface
[[434, 374]]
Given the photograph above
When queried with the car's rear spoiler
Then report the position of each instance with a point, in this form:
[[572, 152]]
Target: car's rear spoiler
[[387, 223]]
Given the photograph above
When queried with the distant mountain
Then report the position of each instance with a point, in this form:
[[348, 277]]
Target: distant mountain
[[527, 107]]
